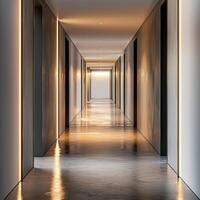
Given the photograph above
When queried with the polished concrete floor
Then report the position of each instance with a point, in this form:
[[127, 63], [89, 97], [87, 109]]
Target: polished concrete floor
[[101, 113], [99, 160]]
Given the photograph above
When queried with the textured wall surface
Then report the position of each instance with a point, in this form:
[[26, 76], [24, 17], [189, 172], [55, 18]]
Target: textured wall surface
[[83, 79], [172, 83], [118, 82], [149, 79], [113, 83], [61, 80], [190, 94], [122, 83], [28, 106], [46, 134], [9, 96], [49, 78], [38, 147], [75, 81], [129, 108]]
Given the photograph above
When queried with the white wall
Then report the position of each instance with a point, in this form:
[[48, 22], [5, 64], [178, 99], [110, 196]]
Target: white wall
[[129, 82], [172, 83], [100, 84], [75, 81], [190, 94], [9, 96]]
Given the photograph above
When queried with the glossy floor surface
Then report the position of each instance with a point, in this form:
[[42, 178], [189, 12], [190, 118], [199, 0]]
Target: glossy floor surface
[[101, 162], [101, 113]]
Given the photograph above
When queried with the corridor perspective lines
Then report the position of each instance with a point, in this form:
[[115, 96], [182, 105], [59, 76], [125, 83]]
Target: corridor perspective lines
[[105, 162]]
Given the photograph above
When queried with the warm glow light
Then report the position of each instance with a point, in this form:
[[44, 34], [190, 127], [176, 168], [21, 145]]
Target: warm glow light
[[180, 195], [78, 75], [57, 191], [57, 78], [19, 192], [101, 74], [20, 91], [112, 21], [179, 103]]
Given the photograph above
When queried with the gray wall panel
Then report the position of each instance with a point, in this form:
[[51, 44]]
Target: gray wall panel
[[46, 84], [28, 86], [9, 96], [49, 78], [38, 147]]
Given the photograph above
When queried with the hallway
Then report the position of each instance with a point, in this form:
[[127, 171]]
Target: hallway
[[99, 100], [98, 160]]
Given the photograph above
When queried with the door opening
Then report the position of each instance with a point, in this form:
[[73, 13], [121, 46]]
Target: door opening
[[38, 46], [67, 86], [125, 83], [163, 79], [135, 62]]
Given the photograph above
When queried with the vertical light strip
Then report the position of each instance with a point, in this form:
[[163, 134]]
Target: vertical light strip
[[20, 89], [57, 78], [179, 75]]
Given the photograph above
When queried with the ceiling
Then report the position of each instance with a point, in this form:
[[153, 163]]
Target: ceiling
[[101, 29]]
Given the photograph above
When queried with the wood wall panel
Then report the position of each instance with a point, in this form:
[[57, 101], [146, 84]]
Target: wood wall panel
[[148, 97], [45, 83], [28, 87], [75, 80], [148, 79], [49, 78], [61, 80]]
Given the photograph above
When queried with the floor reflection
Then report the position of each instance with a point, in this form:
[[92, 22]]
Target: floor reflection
[[101, 113], [57, 190], [108, 161], [180, 190], [19, 192]]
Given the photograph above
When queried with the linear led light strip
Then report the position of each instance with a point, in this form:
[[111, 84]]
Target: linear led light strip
[[57, 78], [20, 89], [179, 82]]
